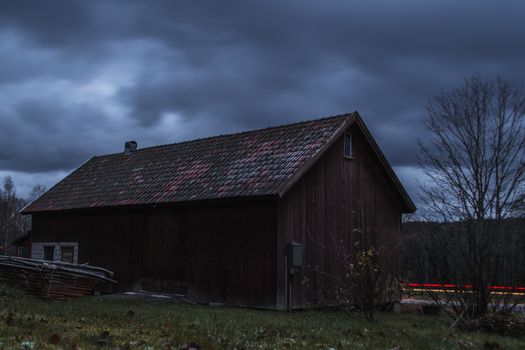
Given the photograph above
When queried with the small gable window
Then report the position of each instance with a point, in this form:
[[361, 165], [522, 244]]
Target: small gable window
[[348, 146]]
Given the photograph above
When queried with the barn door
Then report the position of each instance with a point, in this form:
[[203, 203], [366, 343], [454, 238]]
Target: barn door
[[166, 254], [174, 255]]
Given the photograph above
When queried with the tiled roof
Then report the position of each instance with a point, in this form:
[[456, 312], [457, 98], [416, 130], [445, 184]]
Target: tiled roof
[[250, 163]]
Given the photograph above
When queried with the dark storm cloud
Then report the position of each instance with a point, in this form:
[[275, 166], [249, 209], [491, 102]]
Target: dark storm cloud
[[63, 140], [79, 77]]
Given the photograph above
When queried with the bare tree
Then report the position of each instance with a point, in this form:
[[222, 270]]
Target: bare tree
[[36, 192], [365, 283], [474, 159], [362, 282], [11, 222]]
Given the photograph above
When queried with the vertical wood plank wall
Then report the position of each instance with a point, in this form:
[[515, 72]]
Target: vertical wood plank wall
[[335, 196], [221, 252]]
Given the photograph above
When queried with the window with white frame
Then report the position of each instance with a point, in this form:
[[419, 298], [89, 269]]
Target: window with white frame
[[348, 145], [49, 252], [67, 253], [55, 251]]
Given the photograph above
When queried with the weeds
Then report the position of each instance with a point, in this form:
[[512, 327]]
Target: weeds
[[113, 323]]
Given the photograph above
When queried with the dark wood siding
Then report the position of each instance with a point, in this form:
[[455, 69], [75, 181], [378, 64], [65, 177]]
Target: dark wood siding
[[217, 252], [334, 197], [109, 238]]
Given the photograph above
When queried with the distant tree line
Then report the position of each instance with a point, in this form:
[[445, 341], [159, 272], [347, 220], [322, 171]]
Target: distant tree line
[[12, 223], [429, 254]]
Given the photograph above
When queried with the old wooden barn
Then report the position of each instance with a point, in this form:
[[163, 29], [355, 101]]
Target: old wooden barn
[[212, 217]]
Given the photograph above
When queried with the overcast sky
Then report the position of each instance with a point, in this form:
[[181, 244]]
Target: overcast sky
[[78, 78]]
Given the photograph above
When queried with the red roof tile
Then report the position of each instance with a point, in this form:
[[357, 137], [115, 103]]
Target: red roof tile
[[250, 163]]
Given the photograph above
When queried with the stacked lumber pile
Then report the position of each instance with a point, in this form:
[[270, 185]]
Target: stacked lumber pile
[[53, 279]]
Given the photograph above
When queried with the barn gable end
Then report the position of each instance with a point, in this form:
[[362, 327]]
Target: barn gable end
[[336, 195]]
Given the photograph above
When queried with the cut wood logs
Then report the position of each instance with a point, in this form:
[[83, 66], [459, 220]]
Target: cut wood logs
[[53, 279]]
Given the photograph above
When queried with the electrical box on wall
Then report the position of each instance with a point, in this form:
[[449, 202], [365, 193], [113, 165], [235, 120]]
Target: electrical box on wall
[[294, 256]]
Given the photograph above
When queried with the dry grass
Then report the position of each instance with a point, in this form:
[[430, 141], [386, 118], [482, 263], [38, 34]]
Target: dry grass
[[114, 323]]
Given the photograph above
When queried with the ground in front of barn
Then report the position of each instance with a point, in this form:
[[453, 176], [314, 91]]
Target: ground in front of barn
[[134, 322]]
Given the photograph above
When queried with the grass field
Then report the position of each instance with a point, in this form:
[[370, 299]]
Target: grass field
[[101, 322]]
